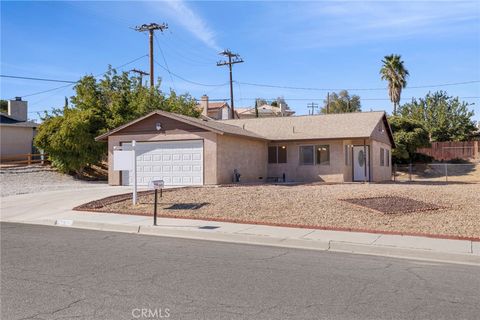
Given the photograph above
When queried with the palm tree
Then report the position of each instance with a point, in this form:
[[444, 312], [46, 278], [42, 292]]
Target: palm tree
[[393, 70]]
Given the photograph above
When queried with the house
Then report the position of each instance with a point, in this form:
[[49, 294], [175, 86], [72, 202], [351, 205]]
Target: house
[[16, 132], [265, 110], [183, 150], [214, 110]]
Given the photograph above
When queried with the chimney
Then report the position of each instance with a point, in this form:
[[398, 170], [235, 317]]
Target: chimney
[[18, 109], [204, 105]]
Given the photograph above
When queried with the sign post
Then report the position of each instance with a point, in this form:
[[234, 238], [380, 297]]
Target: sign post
[[157, 185], [134, 197]]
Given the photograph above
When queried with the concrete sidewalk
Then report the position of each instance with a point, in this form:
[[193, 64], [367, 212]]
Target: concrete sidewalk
[[54, 208]]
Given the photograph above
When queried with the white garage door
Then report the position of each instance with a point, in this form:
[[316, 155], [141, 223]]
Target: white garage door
[[178, 163]]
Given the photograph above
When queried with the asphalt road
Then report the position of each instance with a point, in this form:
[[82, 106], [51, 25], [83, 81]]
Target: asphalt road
[[54, 273]]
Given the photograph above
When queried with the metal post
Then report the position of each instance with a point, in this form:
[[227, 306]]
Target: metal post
[[410, 172], [134, 196], [155, 207]]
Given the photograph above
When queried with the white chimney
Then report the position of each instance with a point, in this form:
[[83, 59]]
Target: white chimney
[[204, 105], [18, 109]]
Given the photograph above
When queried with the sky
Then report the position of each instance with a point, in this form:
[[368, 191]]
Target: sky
[[324, 46]]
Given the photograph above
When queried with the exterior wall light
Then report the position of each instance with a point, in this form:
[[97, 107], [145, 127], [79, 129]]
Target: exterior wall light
[[158, 126]]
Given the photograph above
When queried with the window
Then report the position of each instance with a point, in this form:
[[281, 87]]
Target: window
[[382, 157], [272, 154], [387, 157], [323, 154], [282, 154], [306, 155], [277, 154]]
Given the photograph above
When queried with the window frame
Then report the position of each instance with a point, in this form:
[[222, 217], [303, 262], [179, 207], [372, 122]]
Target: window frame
[[387, 157], [300, 148], [277, 154], [318, 158], [315, 161], [382, 157]]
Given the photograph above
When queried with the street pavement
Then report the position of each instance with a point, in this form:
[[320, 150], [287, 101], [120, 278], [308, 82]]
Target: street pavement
[[52, 273]]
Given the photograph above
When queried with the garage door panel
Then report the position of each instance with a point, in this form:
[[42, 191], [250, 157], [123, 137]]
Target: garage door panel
[[177, 163]]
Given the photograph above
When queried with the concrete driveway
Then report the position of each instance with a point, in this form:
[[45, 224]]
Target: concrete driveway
[[52, 204]]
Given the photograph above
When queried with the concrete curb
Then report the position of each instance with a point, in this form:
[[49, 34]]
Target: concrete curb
[[308, 244]]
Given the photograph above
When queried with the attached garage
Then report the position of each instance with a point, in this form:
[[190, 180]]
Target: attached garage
[[185, 151], [177, 163]]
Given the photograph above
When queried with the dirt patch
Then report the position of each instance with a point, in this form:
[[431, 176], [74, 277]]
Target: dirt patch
[[316, 206], [393, 205]]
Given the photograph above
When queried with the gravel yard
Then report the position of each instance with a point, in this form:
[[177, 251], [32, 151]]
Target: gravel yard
[[36, 178], [321, 205]]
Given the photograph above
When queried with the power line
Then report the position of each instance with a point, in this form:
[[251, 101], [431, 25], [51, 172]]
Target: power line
[[165, 61], [190, 81], [36, 79], [72, 83], [322, 98], [354, 89]]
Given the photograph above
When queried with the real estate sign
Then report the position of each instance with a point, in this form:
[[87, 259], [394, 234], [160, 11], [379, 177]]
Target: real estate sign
[[123, 159]]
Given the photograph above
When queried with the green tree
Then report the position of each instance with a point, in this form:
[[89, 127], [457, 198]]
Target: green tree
[[446, 118], [341, 103], [98, 106], [4, 106], [393, 71], [409, 135]]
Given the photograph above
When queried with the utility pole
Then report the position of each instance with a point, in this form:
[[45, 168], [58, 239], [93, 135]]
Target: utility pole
[[232, 59], [151, 29], [312, 106], [140, 74]]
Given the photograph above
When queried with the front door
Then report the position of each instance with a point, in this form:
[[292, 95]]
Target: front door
[[360, 163]]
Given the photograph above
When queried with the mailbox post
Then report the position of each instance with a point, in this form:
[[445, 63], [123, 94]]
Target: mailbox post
[[157, 185]]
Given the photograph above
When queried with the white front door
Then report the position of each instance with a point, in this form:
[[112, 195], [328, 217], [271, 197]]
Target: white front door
[[360, 163], [177, 163]]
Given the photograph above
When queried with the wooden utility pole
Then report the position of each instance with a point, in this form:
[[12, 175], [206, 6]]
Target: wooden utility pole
[[312, 106], [141, 74], [232, 59], [151, 29]]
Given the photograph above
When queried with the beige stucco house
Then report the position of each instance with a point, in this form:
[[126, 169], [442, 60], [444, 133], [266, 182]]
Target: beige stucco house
[[187, 151], [16, 132]]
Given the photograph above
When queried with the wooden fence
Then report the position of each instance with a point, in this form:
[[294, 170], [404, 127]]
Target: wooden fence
[[24, 159], [467, 150]]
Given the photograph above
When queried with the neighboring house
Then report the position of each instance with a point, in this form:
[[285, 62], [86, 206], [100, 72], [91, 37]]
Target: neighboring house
[[214, 110], [189, 151], [264, 111], [16, 132]]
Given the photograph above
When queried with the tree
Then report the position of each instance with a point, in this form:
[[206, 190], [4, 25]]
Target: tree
[[98, 106], [393, 71], [409, 135], [341, 103], [4, 106], [446, 118]]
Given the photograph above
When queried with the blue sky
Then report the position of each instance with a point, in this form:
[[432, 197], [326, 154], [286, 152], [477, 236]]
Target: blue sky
[[323, 44]]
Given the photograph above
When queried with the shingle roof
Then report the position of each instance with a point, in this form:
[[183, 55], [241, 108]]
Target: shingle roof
[[331, 126], [210, 125]]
